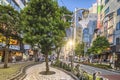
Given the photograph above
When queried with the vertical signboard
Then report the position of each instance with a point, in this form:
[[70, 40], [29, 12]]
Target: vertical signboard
[[99, 8]]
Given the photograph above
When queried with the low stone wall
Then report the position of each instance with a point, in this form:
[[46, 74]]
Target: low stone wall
[[69, 73], [20, 75]]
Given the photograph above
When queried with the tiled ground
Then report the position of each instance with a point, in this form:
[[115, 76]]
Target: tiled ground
[[33, 74]]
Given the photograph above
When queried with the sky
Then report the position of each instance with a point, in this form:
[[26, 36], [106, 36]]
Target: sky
[[72, 4]]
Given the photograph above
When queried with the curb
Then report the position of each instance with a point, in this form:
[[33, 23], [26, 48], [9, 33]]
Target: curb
[[20, 75], [69, 73], [114, 71]]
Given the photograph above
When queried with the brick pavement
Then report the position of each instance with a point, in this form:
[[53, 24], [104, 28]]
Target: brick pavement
[[112, 77], [33, 74]]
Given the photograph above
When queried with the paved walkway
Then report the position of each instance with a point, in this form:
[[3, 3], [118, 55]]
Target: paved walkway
[[104, 73], [33, 74]]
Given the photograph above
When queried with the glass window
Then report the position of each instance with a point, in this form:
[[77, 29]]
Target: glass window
[[9, 1], [118, 0], [12, 4], [117, 40], [118, 26], [118, 11], [106, 1], [106, 11]]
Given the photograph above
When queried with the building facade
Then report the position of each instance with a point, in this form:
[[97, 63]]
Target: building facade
[[109, 24], [16, 4], [90, 24]]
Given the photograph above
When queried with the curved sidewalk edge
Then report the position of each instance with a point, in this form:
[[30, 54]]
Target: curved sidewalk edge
[[20, 75], [69, 73]]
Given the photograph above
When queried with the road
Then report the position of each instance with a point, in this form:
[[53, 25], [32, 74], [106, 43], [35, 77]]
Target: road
[[92, 70], [110, 75], [33, 74]]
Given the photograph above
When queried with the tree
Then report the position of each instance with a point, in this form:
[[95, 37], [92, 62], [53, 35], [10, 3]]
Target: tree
[[42, 25], [100, 44], [61, 42], [9, 25], [79, 49]]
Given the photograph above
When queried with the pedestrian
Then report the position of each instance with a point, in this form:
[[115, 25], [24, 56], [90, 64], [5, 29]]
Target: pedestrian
[[111, 61], [13, 59]]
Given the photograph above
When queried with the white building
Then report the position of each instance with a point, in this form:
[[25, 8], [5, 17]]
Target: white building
[[110, 19], [89, 23]]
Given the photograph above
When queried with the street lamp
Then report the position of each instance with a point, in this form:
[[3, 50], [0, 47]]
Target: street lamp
[[85, 13]]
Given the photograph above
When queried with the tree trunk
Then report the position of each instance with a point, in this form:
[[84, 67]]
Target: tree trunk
[[47, 65], [36, 55], [72, 63], [6, 59], [58, 53], [79, 58], [6, 53]]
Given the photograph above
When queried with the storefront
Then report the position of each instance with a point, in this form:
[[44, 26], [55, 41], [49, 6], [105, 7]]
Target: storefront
[[13, 51]]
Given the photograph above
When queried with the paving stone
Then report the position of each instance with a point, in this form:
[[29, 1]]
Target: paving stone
[[33, 74]]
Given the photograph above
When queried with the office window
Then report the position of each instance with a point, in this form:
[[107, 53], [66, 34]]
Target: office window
[[9, 1], [118, 11], [12, 4], [118, 26], [117, 41], [106, 1], [118, 0], [106, 11]]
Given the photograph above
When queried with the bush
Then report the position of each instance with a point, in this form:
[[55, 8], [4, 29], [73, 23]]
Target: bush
[[103, 66], [56, 63]]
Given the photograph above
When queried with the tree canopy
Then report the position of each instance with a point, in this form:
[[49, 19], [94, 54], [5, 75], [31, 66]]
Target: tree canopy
[[9, 27], [42, 25], [9, 21], [100, 44], [79, 49]]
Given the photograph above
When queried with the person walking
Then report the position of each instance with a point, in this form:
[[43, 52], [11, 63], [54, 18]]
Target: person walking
[[13, 59]]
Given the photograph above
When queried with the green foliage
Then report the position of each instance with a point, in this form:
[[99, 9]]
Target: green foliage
[[100, 44], [42, 24], [62, 65], [61, 41], [9, 27], [9, 21], [79, 49], [103, 66], [64, 11]]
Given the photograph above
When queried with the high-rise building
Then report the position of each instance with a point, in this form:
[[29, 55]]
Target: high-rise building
[[4, 2], [90, 24], [109, 23], [16, 4]]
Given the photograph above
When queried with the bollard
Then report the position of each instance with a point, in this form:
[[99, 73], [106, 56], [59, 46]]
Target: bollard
[[94, 76]]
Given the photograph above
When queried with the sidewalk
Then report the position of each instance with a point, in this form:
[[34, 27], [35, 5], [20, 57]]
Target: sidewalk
[[33, 74]]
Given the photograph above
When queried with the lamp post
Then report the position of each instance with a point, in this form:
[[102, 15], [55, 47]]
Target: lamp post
[[85, 13], [74, 16], [72, 53]]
